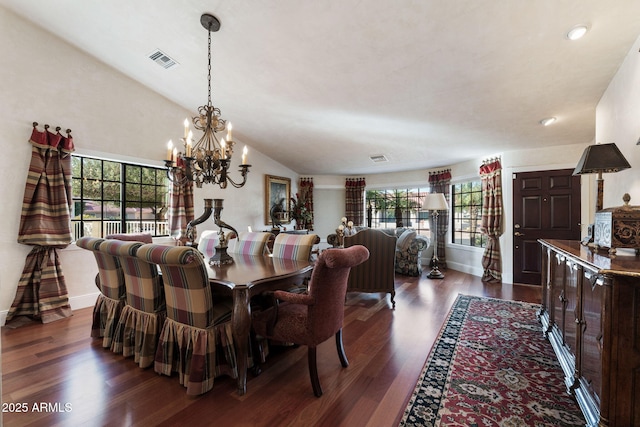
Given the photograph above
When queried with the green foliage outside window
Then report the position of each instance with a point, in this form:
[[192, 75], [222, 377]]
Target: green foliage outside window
[[466, 213], [113, 197], [387, 206]]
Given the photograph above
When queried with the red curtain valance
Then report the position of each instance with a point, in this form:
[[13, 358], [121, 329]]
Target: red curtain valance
[[440, 176]]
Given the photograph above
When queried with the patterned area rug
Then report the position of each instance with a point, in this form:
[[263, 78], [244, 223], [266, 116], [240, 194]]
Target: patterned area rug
[[491, 366]]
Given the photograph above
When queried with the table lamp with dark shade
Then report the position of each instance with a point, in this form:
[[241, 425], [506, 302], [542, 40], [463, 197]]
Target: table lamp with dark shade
[[435, 202], [601, 158]]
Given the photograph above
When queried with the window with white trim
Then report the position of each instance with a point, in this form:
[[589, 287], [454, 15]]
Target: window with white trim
[[466, 214], [112, 197]]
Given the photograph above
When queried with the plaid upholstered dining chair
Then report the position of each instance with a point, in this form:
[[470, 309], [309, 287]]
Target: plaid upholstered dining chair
[[197, 338], [132, 237], [142, 316], [209, 239], [294, 246], [251, 243], [110, 281], [310, 319]]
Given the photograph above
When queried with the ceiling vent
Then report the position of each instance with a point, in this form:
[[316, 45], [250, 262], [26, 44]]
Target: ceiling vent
[[379, 158], [162, 59]]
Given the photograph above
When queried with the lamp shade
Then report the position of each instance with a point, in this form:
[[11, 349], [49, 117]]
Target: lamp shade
[[601, 158], [435, 202]]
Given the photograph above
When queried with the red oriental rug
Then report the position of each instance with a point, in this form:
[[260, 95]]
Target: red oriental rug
[[491, 366]]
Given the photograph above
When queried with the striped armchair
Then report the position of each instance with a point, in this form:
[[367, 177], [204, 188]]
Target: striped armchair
[[197, 338], [110, 281], [377, 274], [139, 326]]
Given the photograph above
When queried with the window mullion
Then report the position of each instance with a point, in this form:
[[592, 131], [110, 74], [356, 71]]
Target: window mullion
[[123, 199]]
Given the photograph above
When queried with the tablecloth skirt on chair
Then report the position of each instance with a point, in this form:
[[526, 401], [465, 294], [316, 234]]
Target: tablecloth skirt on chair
[[137, 335], [181, 349]]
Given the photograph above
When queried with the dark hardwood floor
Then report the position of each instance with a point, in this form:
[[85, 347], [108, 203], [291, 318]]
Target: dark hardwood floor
[[73, 381]]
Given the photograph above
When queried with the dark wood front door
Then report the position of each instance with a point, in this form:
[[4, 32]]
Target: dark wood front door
[[546, 205]]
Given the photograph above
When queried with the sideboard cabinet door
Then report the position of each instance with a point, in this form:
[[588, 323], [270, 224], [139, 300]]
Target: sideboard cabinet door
[[589, 356], [622, 365]]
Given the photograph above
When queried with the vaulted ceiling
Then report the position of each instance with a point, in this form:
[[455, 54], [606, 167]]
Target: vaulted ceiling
[[323, 85]]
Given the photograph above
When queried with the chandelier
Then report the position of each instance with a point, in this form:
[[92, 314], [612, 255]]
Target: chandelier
[[208, 160]]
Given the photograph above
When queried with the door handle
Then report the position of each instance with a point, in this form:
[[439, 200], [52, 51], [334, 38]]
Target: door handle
[[518, 234]]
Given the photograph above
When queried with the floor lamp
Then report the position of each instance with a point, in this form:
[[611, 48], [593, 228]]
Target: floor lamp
[[435, 202]]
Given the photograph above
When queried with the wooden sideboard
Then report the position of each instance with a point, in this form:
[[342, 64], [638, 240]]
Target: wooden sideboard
[[591, 315]]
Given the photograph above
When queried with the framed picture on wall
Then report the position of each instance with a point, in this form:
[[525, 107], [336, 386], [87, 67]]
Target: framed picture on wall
[[276, 201]]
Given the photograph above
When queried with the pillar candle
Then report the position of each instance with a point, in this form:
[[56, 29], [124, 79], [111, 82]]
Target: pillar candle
[[169, 150]]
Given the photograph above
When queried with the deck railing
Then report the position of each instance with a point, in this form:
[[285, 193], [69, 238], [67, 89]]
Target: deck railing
[[92, 228]]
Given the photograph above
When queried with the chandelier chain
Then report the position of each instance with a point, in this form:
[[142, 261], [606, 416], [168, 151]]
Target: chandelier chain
[[209, 67]]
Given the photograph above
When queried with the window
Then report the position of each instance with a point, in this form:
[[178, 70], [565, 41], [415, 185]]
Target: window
[[111, 197], [467, 214], [404, 203]]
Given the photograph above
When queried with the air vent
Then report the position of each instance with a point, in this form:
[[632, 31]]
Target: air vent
[[379, 158], [162, 59]]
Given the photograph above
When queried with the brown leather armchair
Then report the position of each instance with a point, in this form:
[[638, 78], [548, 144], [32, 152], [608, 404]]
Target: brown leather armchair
[[310, 319]]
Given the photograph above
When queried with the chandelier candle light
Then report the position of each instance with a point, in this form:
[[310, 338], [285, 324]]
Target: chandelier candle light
[[208, 160]]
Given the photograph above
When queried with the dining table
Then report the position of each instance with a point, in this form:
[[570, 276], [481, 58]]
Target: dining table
[[246, 277]]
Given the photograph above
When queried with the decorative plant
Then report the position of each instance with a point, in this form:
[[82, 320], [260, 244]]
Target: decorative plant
[[299, 210]]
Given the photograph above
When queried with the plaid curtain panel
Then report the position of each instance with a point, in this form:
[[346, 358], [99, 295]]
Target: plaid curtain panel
[[197, 338], [306, 194], [354, 200], [492, 211], [439, 182], [180, 210], [45, 223], [46, 206]]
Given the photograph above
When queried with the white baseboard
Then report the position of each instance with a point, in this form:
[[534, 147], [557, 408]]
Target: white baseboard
[[83, 301], [474, 271], [76, 303]]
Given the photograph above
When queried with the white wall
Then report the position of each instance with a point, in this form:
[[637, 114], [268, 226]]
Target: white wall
[[618, 120], [328, 209], [46, 80]]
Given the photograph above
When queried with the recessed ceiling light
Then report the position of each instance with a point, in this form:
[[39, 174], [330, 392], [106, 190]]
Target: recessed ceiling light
[[577, 32], [548, 121]]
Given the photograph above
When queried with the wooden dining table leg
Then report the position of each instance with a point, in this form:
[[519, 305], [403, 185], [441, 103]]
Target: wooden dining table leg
[[241, 323]]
